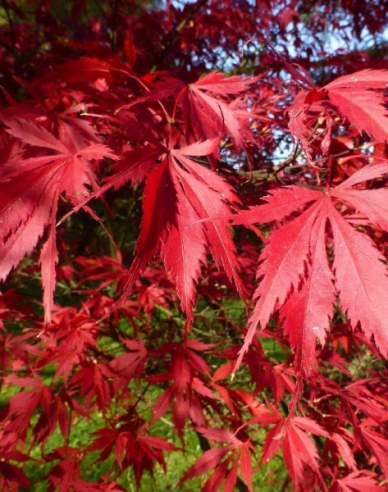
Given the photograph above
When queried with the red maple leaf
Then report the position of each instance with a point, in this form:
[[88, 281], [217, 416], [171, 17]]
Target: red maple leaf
[[30, 189], [298, 448], [359, 97], [357, 482], [204, 107], [236, 452], [186, 209], [295, 273]]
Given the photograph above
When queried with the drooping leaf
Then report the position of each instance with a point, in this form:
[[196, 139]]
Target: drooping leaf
[[284, 259], [361, 279], [213, 210], [364, 109], [184, 250], [358, 482], [308, 309], [30, 189]]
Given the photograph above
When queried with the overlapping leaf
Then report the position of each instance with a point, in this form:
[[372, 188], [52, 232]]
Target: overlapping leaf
[[185, 212], [30, 188], [358, 96], [204, 106], [295, 273], [213, 459], [299, 449], [306, 312]]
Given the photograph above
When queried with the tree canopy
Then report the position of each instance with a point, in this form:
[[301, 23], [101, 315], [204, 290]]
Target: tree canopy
[[193, 245]]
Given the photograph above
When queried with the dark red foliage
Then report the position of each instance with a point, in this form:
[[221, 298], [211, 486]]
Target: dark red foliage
[[200, 189]]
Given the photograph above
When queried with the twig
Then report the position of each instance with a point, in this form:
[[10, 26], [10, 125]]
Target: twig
[[113, 25], [4, 4], [175, 34]]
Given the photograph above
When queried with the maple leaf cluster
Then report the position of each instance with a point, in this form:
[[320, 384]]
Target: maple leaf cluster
[[192, 248]]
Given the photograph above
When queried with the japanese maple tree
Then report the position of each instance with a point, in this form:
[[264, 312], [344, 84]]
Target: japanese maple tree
[[193, 245]]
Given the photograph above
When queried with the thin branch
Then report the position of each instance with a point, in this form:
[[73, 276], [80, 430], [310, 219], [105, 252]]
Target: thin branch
[[113, 25], [4, 4], [174, 35]]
